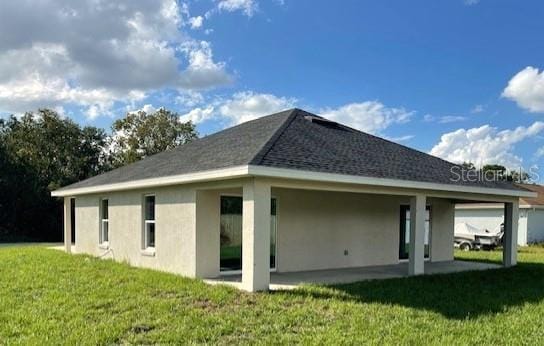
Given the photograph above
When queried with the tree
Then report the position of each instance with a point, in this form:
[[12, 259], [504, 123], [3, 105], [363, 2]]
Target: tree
[[468, 165], [142, 134], [41, 152], [499, 173], [495, 172]]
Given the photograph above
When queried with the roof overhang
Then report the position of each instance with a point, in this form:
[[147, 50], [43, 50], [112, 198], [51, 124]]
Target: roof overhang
[[211, 175], [271, 172], [487, 206], [383, 182]]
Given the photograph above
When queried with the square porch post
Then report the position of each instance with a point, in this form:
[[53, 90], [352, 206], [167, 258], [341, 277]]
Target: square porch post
[[416, 261], [67, 224], [256, 236], [510, 237]]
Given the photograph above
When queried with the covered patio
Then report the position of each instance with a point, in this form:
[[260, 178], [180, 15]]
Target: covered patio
[[330, 233], [292, 280]]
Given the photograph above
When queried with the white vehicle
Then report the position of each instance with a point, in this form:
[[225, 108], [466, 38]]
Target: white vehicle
[[468, 237]]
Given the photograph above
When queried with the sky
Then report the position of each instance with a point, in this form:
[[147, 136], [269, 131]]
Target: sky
[[460, 79]]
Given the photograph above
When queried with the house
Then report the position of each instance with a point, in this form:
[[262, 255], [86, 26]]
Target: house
[[490, 215], [288, 192]]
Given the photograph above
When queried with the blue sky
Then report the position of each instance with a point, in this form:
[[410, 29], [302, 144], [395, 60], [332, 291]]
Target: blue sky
[[460, 79]]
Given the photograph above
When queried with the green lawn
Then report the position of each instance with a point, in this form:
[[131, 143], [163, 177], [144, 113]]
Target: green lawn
[[49, 297]]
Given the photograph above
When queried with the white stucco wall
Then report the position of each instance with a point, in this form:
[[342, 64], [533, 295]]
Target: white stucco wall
[[175, 223], [442, 226], [491, 218], [314, 229], [535, 226]]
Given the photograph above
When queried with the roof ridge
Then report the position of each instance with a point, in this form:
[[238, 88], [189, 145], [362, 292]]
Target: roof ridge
[[267, 146]]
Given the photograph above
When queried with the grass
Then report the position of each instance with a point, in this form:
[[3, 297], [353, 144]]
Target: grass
[[49, 297]]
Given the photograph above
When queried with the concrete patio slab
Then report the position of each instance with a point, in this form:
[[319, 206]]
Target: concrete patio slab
[[285, 281]]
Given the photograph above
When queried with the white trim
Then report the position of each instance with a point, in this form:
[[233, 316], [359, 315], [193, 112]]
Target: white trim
[[147, 250], [355, 179], [211, 175], [260, 171], [104, 244], [430, 240], [479, 206]]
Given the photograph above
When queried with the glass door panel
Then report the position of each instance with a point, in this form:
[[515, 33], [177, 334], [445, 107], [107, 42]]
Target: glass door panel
[[230, 257], [404, 247], [230, 240]]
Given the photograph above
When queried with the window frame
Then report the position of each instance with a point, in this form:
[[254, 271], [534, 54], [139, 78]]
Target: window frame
[[149, 250], [406, 208], [276, 235], [104, 241]]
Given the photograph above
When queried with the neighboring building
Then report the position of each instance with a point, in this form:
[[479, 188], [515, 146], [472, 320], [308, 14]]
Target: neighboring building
[[287, 192], [490, 216]]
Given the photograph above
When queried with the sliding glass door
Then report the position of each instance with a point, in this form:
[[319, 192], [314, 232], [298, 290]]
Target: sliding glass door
[[404, 249], [231, 233]]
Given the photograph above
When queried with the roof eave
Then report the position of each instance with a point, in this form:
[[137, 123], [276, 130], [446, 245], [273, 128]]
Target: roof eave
[[273, 172], [203, 176]]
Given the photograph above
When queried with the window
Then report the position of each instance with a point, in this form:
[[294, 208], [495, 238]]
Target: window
[[73, 219], [149, 221], [104, 221], [405, 232]]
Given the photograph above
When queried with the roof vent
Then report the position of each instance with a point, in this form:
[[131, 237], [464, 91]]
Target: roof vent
[[318, 120], [324, 122]]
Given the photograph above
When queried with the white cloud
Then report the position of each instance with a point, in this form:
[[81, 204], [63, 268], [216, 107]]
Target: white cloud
[[539, 153], [189, 98], [485, 145], [147, 108], [202, 71], [196, 22], [400, 138], [471, 2], [198, 115], [369, 116], [94, 54], [428, 118], [446, 119], [477, 109], [240, 107], [526, 88], [245, 106], [248, 7]]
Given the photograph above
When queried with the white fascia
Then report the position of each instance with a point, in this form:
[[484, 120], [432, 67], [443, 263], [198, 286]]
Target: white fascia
[[270, 172], [211, 175], [383, 182], [480, 206]]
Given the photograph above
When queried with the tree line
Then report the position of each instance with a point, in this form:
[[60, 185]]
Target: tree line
[[498, 172], [42, 151]]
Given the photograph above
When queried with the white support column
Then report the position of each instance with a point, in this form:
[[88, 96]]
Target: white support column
[[67, 225], [256, 236], [510, 237], [416, 261]]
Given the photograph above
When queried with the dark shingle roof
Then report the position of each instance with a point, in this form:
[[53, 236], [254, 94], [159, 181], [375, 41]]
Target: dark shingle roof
[[293, 139]]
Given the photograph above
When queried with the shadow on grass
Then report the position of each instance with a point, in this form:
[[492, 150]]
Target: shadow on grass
[[459, 296]]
